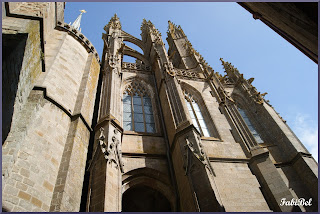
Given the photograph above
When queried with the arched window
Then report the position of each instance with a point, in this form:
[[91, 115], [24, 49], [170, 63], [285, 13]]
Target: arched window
[[196, 115], [250, 126], [137, 109]]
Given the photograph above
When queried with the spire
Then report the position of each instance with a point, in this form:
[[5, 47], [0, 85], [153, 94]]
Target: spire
[[148, 28], [238, 78], [76, 23], [175, 31]]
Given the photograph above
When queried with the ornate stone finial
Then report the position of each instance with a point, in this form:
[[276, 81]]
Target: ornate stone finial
[[113, 23]]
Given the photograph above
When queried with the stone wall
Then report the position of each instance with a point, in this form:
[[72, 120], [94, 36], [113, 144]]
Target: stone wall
[[44, 155], [21, 65], [239, 188], [31, 160], [67, 70]]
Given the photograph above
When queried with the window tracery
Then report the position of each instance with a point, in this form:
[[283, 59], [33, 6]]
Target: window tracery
[[137, 109]]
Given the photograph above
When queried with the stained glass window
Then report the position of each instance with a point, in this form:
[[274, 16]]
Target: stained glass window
[[137, 110]]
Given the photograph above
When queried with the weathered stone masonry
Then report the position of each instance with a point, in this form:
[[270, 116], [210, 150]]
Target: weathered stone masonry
[[165, 133], [45, 152]]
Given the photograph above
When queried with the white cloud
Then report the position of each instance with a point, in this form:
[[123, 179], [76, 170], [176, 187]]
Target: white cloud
[[307, 131]]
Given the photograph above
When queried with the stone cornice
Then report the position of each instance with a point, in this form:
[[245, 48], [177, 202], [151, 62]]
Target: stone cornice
[[79, 37], [291, 162], [108, 118]]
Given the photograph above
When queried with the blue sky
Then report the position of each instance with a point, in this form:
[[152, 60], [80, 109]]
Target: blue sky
[[225, 30]]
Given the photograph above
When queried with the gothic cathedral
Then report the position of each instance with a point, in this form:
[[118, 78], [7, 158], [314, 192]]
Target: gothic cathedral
[[165, 133]]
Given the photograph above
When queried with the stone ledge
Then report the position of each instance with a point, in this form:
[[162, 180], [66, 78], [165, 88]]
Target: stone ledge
[[229, 160], [293, 160], [54, 102], [143, 155]]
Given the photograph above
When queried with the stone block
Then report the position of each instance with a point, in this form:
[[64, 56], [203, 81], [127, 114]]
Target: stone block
[[28, 182], [25, 204], [48, 186], [21, 186], [18, 209], [10, 190], [24, 195], [25, 172], [36, 202]]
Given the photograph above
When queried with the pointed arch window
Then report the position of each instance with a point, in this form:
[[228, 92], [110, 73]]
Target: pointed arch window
[[250, 126], [137, 110], [196, 115]]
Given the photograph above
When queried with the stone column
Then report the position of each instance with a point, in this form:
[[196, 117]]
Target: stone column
[[106, 165]]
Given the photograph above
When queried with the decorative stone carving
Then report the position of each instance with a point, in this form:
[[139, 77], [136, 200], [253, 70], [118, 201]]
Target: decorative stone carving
[[113, 60], [224, 96], [196, 149], [136, 88], [187, 73], [135, 66], [112, 151], [168, 68], [241, 82], [250, 80], [228, 67], [116, 71], [264, 94], [113, 23], [225, 79]]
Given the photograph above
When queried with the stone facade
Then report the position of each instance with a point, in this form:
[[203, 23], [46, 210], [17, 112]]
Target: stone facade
[[166, 133]]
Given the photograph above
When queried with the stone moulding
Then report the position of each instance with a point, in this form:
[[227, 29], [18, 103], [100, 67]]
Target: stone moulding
[[108, 118], [57, 104]]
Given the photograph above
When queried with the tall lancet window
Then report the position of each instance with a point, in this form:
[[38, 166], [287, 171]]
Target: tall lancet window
[[137, 110], [196, 115], [250, 126]]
